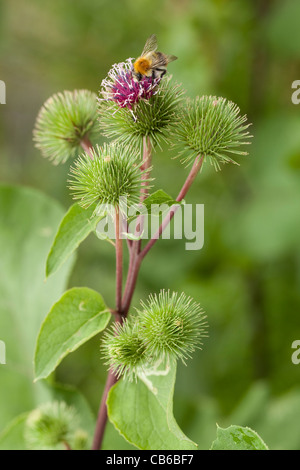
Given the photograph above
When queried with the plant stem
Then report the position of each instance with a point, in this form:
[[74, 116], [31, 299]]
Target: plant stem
[[133, 271], [136, 258], [190, 179], [147, 151], [102, 415], [135, 262], [119, 262], [67, 445], [187, 184], [146, 168], [125, 226], [111, 378], [87, 146]]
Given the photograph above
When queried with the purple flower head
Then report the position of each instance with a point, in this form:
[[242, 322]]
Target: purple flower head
[[119, 86]]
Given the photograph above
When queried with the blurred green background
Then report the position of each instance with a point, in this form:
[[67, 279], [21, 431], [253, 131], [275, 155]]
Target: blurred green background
[[247, 276]]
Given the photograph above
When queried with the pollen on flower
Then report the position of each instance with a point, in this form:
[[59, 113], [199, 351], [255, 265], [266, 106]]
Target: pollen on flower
[[121, 87]]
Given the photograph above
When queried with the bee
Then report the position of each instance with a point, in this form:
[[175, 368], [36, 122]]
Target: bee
[[151, 63]]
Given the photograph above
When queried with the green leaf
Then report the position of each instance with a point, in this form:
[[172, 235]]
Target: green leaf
[[76, 225], [238, 438], [113, 440], [152, 204], [28, 222], [158, 198], [78, 316], [146, 418]]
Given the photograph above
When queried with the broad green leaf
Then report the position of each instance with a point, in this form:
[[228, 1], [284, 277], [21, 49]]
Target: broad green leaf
[[146, 418], [78, 316], [76, 225], [113, 440], [238, 438], [28, 222]]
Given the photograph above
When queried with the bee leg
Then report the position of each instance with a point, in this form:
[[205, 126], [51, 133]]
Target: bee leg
[[153, 77], [163, 72]]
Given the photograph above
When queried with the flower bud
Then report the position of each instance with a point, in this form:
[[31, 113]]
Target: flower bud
[[64, 121], [124, 349], [113, 175], [211, 127], [130, 110], [171, 326], [50, 426]]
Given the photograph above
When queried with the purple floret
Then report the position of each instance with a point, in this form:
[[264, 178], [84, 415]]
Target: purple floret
[[121, 87]]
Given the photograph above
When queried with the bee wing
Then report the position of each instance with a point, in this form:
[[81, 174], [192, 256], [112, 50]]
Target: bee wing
[[151, 45], [161, 60], [170, 58]]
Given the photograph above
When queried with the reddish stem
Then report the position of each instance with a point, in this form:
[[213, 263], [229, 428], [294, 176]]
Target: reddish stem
[[147, 149], [87, 146], [133, 270], [136, 257], [67, 445], [111, 378], [102, 415], [188, 182], [119, 262], [135, 262]]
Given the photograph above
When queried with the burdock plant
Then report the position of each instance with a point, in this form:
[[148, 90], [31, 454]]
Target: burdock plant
[[105, 175], [65, 123], [53, 426], [141, 348]]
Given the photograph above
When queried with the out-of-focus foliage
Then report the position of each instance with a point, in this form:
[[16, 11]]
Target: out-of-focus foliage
[[28, 220], [247, 275]]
